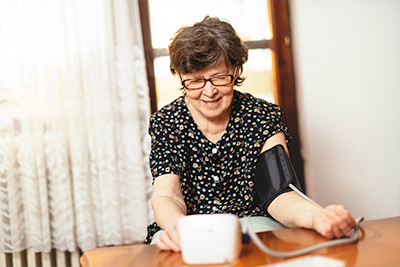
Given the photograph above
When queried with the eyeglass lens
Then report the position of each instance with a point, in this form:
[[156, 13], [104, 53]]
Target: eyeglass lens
[[216, 81]]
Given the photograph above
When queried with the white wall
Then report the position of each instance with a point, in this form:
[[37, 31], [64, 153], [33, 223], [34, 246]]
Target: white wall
[[347, 71]]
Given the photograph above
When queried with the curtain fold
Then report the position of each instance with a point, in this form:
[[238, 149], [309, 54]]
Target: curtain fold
[[74, 109]]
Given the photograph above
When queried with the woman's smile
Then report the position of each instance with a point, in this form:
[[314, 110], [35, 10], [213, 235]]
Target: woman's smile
[[212, 103]]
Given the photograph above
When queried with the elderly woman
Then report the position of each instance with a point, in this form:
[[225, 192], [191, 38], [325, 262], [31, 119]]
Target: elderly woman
[[205, 144]]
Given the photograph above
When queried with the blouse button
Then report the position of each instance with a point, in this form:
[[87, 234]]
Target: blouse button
[[214, 209], [216, 178], [214, 150]]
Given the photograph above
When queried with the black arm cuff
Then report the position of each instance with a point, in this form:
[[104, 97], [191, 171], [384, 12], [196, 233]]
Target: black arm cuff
[[274, 173]]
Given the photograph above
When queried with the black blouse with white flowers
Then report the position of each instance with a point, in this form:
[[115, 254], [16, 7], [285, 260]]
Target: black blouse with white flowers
[[215, 178]]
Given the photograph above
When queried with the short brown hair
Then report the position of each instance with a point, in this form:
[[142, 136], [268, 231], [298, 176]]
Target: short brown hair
[[206, 44]]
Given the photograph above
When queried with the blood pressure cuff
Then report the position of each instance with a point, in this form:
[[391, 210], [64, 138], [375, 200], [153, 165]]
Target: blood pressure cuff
[[274, 173]]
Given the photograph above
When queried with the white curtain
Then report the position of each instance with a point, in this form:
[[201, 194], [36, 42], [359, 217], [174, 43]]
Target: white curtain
[[74, 109]]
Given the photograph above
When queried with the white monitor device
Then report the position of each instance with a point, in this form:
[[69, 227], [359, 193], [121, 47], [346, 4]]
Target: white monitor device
[[210, 238]]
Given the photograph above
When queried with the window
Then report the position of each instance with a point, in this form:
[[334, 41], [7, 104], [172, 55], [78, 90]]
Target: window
[[264, 27], [251, 20]]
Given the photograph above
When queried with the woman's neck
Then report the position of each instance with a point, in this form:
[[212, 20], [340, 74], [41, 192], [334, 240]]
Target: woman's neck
[[212, 129]]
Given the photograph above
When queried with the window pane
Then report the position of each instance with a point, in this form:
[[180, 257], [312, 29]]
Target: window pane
[[249, 18], [167, 85], [260, 76]]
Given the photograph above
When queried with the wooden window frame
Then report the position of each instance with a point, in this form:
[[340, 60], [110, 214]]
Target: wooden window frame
[[285, 80], [280, 44]]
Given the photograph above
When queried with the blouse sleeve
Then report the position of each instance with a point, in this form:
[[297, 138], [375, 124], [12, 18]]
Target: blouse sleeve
[[164, 152], [273, 115]]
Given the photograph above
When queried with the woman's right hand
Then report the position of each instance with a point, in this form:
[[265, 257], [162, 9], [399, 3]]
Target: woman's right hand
[[169, 239]]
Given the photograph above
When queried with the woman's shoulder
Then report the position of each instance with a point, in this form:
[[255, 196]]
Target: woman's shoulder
[[252, 104], [261, 116], [170, 119], [168, 112]]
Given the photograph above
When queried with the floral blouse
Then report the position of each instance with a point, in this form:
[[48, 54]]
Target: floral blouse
[[215, 178]]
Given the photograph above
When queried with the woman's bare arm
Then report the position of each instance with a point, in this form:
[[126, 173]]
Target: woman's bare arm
[[293, 211], [168, 205]]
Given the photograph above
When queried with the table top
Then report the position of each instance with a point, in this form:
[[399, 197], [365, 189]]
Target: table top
[[379, 245]]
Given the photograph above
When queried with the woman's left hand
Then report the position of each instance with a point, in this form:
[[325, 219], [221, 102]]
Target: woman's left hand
[[333, 221]]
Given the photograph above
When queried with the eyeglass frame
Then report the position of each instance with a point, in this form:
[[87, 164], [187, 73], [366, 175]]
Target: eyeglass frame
[[209, 80]]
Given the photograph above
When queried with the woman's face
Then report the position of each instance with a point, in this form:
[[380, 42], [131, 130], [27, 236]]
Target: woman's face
[[211, 102]]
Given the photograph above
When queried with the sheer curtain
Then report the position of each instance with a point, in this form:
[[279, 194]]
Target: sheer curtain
[[74, 109]]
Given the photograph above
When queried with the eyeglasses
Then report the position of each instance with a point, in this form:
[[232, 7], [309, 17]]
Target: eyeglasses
[[221, 80]]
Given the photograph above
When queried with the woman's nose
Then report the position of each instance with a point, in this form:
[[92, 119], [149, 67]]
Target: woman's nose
[[209, 89]]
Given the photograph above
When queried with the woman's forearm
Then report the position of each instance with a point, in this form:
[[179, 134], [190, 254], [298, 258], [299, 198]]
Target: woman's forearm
[[293, 211], [167, 200], [167, 210]]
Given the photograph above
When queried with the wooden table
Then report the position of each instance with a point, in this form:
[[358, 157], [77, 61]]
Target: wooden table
[[379, 246]]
